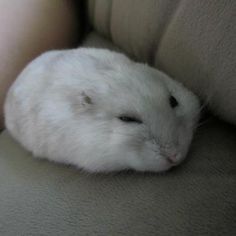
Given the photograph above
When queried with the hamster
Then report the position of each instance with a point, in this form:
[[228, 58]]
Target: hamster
[[101, 111]]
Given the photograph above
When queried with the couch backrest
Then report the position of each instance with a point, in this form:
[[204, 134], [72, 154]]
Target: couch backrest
[[192, 41]]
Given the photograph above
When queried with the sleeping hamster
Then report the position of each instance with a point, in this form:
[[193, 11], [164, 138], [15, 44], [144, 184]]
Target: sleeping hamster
[[100, 111]]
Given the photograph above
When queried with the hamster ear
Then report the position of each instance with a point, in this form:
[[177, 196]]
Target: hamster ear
[[86, 99]]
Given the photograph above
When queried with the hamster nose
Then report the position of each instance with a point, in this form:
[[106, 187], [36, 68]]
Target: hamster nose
[[173, 159]]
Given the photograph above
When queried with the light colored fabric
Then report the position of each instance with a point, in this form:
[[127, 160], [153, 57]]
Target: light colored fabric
[[193, 41], [38, 197], [199, 48], [137, 26], [94, 40], [99, 15], [198, 198]]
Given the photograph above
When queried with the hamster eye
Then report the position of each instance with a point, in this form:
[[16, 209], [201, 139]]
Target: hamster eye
[[129, 119], [173, 102]]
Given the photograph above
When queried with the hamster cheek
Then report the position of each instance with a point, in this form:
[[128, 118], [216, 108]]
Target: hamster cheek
[[148, 158], [185, 138]]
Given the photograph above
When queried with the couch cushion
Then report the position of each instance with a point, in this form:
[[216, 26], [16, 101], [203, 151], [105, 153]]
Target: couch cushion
[[94, 40], [38, 197], [198, 198], [193, 41]]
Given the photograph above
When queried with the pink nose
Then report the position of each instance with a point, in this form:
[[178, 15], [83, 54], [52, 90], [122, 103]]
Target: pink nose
[[172, 159]]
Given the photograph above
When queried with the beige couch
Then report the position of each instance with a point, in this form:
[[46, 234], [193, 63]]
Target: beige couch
[[194, 41]]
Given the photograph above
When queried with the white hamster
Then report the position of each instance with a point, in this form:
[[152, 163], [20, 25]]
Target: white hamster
[[100, 111]]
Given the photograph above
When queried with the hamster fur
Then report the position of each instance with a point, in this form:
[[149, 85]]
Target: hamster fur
[[100, 111]]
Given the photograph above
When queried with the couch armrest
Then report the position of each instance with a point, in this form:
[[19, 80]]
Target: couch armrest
[[27, 29]]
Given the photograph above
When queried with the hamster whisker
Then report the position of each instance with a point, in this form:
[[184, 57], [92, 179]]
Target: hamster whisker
[[130, 135], [206, 116], [204, 122], [206, 102], [204, 105]]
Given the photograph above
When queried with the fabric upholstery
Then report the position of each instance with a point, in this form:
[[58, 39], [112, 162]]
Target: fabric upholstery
[[99, 15], [198, 198], [94, 40], [193, 41], [38, 197]]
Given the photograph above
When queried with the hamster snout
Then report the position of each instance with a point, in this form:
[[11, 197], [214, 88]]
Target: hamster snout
[[172, 159]]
